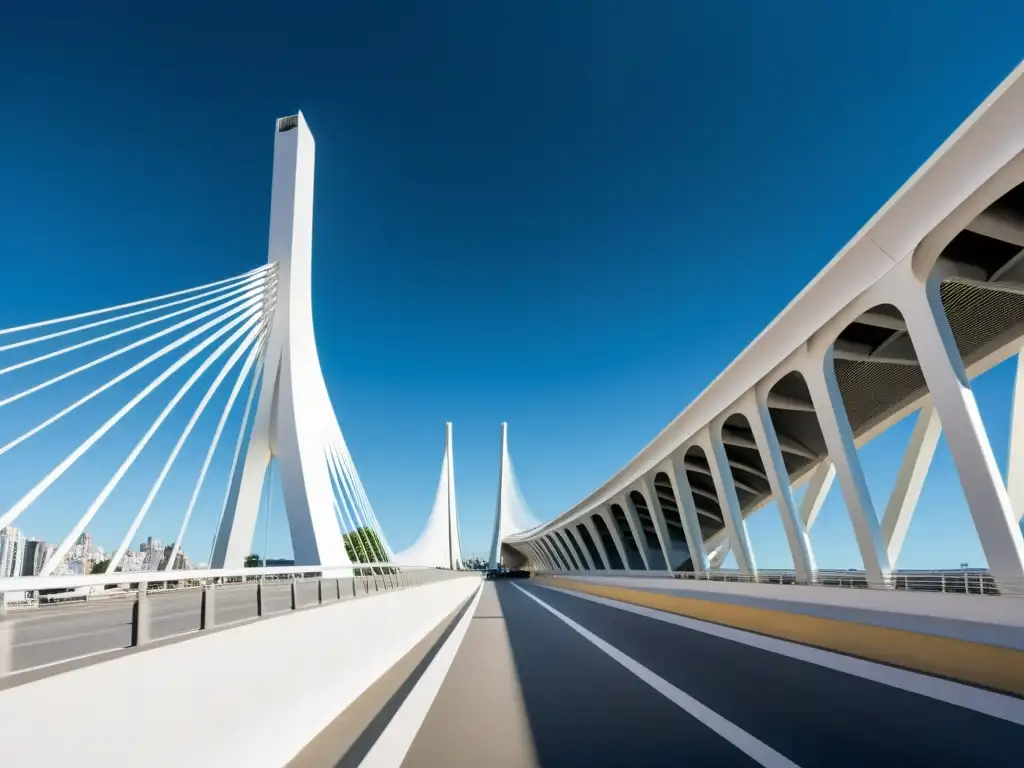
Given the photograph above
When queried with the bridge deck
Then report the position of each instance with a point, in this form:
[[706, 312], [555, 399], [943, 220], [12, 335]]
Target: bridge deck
[[527, 689]]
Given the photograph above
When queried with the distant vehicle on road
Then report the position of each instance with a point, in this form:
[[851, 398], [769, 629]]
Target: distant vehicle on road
[[501, 573]]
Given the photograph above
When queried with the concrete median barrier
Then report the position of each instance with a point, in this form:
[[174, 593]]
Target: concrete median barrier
[[253, 695]]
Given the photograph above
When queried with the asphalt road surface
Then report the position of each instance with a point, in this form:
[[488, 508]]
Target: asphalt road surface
[[526, 688], [53, 634]]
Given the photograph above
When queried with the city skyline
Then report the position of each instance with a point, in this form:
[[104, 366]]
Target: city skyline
[[22, 555]]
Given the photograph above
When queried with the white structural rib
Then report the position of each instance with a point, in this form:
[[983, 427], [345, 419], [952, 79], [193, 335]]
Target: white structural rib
[[217, 300], [438, 544], [90, 513], [237, 305], [93, 313]]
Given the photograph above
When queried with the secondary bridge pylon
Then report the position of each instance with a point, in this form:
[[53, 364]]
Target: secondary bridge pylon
[[512, 514], [439, 545]]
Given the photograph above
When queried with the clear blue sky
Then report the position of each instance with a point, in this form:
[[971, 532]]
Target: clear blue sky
[[566, 215]]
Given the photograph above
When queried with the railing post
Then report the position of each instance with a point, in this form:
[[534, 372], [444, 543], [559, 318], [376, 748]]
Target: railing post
[[208, 610], [142, 616], [6, 640], [295, 594], [337, 586], [259, 598], [320, 591]]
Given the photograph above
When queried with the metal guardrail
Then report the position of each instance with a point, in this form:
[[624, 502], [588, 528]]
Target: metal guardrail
[[145, 588], [964, 582]]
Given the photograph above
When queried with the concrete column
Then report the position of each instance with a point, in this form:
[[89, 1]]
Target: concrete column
[[1015, 462], [567, 554], [767, 441], [574, 535], [556, 546], [633, 521], [817, 489], [910, 480], [676, 471], [142, 618], [646, 489], [725, 487], [207, 608], [650, 494], [543, 559], [950, 389], [615, 533], [559, 564], [588, 522], [835, 427]]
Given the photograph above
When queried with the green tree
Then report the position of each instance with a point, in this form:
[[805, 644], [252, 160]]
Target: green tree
[[253, 561], [364, 546], [101, 566]]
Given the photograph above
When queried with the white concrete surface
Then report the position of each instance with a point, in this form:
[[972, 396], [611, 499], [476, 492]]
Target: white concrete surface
[[252, 696]]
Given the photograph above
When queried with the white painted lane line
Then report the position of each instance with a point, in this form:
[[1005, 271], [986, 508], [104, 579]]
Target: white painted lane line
[[1004, 707], [749, 745], [394, 742]]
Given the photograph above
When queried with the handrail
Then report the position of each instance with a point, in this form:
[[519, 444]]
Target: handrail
[[955, 581], [35, 583]]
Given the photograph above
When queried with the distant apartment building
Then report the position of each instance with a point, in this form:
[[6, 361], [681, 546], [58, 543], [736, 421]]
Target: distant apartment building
[[12, 552], [35, 557]]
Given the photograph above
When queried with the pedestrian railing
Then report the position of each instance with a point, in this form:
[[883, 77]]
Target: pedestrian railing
[[144, 589]]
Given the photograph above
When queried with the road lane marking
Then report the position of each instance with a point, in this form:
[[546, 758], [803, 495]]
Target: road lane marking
[[745, 742], [991, 703], [397, 737]]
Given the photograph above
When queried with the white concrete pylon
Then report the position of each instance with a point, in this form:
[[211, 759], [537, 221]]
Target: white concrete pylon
[[511, 515], [294, 416], [440, 545]]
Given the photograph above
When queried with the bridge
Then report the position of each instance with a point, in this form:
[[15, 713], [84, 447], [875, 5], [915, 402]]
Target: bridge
[[630, 643]]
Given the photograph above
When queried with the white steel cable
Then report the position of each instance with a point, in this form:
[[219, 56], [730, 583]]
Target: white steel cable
[[107, 321], [360, 527], [158, 483], [23, 503], [347, 482], [92, 313], [338, 497], [253, 388], [241, 302], [124, 375], [233, 292], [346, 459], [349, 514], [90, 513], [242, 375]]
